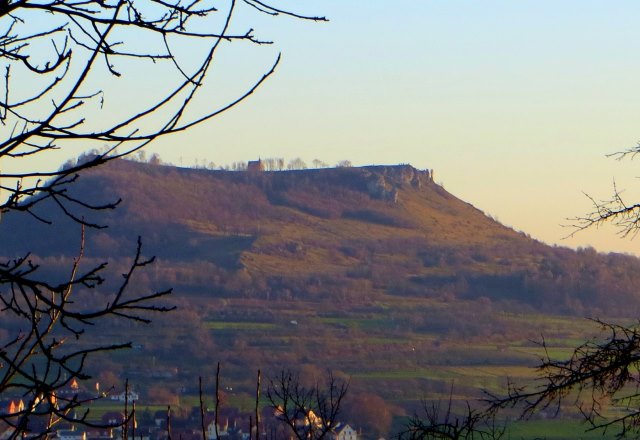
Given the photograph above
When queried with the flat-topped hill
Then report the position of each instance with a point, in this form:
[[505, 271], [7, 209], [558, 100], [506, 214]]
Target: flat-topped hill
[[375, 271], [390, 227]]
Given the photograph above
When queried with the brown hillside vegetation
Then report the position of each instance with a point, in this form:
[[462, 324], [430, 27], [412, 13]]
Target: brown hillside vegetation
[[375, 271], [388, 229]]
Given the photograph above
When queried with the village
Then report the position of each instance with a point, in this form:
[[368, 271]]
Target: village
[[133, 424]]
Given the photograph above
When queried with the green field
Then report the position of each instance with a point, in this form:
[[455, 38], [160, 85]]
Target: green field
[[238, 326], [554, 430]]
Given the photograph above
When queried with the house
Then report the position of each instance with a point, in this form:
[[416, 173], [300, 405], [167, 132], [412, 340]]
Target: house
[[124, 396], [255, 166], [343, 432], [113, 418], [71, 389], [223, 430], [70, 434], [160, 419], [15, 406], [312, 420], [140, 434], [97, 434], [186, 434]]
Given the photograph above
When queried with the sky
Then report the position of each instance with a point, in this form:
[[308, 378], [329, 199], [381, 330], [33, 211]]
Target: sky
[[514, 104]]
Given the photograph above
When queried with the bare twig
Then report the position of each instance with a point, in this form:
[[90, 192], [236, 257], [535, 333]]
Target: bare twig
[[600, 371], [310, 413]]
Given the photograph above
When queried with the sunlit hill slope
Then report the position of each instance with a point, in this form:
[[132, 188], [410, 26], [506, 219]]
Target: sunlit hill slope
[[386, 229], [369, 270]]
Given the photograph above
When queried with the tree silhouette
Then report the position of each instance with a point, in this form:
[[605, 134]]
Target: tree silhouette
[[616, 210], [440, 420], [59, 61], [601, 372], [311, 413]]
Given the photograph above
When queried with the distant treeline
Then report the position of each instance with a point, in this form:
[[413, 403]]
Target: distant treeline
[[267, 164]]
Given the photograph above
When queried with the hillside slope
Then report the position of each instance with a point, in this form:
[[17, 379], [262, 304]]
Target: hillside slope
[[376, 271], [390, 228]]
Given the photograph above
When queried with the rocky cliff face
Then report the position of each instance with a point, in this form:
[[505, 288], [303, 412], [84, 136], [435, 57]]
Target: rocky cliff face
[[383, 182]]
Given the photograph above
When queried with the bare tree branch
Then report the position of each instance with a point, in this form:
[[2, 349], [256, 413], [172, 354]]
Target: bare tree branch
[[600, 372], [311, 413], [52, 55]]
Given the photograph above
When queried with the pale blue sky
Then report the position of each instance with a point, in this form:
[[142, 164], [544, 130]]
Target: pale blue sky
[[513, 103]]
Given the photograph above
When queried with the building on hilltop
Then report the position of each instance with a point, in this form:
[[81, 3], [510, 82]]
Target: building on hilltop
[[255, 166]]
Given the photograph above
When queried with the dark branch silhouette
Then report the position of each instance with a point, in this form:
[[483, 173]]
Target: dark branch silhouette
[[59, 63], [310, 412], [439, 420], [50, 79], [599, 373], [616, 210]]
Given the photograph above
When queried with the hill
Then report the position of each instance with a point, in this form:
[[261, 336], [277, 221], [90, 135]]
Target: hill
[[374, 271], [389, 229]]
